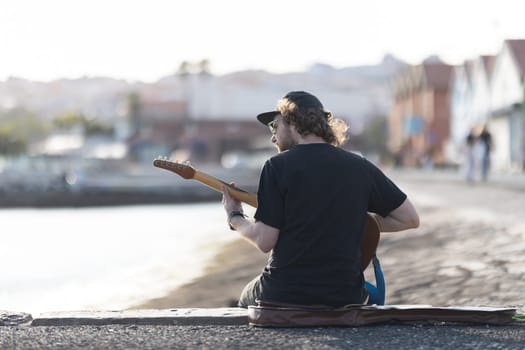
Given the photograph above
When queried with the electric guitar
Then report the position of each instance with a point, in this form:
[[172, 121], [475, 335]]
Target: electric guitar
[[370, 238]]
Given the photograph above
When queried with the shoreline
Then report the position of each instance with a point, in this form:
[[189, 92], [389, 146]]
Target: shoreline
[[223, 280], [97, 198]]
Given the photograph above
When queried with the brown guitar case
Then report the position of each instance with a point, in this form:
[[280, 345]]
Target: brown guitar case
[[287, 315]]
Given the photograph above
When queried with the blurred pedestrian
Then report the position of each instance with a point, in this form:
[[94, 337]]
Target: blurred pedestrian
[[485, 139], [470, 155]]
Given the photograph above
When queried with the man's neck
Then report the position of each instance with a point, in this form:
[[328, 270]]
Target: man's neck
[[304, 139], [310, 139]]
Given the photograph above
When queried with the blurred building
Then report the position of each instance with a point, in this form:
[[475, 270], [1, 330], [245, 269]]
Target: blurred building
[[436, 105], [419, 114], [203, 117], [469, 102], [507, 115], [193, 113], [490, 90]]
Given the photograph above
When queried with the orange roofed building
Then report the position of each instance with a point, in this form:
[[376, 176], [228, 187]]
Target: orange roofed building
[[419, 115]]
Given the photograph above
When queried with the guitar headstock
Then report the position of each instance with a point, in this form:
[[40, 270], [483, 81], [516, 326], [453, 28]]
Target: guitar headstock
[[182, 169]]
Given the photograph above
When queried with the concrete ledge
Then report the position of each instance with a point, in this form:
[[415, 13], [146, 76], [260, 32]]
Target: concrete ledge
[[187, 316]]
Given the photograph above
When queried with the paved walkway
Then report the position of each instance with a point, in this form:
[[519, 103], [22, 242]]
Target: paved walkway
[[515, 181], [469, 247]]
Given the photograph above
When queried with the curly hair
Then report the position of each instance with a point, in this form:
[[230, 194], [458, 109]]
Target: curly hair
[[314, 121]]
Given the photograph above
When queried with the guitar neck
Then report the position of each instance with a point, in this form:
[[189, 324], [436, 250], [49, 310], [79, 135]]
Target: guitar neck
[[216, 184]]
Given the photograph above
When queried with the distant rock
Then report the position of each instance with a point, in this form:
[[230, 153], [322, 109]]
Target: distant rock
[[10, 318]]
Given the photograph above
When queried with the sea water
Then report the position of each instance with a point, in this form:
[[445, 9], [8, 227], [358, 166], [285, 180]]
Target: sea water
[[107, 258]]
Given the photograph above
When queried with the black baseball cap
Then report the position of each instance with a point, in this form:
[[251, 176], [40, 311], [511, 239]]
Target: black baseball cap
[[302, 99]]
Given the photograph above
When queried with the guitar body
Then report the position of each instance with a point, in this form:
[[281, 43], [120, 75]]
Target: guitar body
[[369, 241]]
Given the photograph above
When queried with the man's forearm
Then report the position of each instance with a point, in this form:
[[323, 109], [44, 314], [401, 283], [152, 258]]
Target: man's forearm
[[402, 218], [260, 235], [389, 224]]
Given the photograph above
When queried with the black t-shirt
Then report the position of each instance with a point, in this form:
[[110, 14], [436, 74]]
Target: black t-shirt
[[318, 195]]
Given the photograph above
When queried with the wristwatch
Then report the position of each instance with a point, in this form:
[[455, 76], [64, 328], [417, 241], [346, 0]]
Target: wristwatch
[[231, 215]]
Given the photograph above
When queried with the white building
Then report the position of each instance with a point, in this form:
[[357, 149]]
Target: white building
[[461, 106], [506, 99], [490, 90]]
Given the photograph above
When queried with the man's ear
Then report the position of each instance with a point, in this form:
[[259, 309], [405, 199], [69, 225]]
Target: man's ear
[[293, 132]]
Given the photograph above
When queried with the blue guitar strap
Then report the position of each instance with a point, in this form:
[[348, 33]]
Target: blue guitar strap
[[376, 294]]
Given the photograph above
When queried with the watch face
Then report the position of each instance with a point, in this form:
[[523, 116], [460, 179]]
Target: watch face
[[232, 215]]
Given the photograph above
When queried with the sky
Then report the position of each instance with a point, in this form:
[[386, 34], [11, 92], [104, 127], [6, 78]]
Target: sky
[[145, 40]]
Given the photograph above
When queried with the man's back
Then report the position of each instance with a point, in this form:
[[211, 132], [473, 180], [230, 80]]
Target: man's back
[[318, 196]]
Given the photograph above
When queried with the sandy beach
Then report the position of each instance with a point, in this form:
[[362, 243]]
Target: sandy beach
[[233, 267], [468, 251]]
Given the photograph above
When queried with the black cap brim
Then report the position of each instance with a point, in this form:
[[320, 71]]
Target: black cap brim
[[267, 117]]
